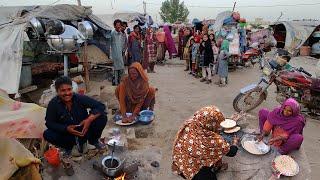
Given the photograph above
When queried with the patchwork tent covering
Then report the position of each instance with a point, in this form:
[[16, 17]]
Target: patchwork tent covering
[[297, 33], [13, 22]]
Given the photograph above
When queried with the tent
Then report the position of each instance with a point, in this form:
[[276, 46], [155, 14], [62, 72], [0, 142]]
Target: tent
[[293, 34], [13, 23]]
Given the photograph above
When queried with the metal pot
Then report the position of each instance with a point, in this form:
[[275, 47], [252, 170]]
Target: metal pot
[[55, 27], [87, 29], [36, 26], [112, 171]]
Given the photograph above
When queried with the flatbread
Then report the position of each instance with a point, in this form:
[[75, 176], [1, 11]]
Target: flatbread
[[254, 147], [232, 130], [228, 123], [286, 165]]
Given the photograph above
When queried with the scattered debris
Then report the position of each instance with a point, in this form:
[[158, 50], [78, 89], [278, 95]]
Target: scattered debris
[[155, 164]]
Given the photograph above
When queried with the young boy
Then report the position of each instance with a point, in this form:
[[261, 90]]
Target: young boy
[[117, 48]]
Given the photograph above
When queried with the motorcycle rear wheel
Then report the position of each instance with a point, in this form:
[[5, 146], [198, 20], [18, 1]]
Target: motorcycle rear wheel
[[236, 102]]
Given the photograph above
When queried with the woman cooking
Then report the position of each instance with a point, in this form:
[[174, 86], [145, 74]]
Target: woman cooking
[[286, 124], [134, 93], [198, 147]]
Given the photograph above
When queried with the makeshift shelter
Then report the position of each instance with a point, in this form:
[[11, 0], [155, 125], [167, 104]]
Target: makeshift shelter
[[291, 35], [14, 22]]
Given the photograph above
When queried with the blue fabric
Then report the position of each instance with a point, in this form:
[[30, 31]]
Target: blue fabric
[[136, 53], [58, 117]]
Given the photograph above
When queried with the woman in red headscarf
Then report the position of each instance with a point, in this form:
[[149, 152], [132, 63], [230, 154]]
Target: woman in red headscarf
[[150, 51], [134, 93]]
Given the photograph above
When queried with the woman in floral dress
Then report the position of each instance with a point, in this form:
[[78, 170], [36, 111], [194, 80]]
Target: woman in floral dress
[[198, 147]]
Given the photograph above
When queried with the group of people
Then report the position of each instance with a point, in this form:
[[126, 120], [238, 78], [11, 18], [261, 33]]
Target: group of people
[[74, 129], [146, 47], [198, 148], [204, 56]]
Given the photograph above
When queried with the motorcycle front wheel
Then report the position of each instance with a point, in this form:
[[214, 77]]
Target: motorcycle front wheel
[[245, 102]]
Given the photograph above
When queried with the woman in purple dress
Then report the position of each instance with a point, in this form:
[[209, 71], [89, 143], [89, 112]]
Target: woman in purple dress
[[286, 124], [170, 45]]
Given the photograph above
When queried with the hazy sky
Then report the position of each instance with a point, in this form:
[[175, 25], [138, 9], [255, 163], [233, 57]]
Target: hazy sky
[[270, 13]]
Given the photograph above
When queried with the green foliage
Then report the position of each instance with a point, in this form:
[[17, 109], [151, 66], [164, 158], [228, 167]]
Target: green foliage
[[172, 11]]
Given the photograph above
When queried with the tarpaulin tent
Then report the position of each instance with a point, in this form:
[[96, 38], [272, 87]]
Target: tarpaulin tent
[[296, 33], [219, 20], [13, 23]]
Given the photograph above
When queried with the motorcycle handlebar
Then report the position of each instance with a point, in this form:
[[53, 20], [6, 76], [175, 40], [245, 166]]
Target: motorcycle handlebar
[[305, 72]]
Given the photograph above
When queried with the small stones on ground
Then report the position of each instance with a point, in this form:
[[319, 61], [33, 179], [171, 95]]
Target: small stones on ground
[[155, 164]]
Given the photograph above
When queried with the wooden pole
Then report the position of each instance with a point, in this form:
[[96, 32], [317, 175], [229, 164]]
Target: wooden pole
[[144, 7], [234, 6], [79, 2], [86, 66]]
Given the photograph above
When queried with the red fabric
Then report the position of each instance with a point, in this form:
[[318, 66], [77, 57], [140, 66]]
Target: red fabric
[[73, 58]]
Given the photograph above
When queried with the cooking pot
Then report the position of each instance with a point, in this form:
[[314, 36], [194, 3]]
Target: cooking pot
[[67, 41], [87, 29], [55, 27], [58, 43], [37, 26], [116, 168]]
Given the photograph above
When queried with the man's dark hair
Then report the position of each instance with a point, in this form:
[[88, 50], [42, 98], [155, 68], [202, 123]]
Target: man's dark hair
[[137, 26], [115, 22], [62, 80], [123, 23], [287, 58]]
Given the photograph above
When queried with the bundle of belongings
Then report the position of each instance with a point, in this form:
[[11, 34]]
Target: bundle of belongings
[[20, 120], [17, 162]]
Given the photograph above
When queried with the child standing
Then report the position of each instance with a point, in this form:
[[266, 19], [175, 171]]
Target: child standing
[[194, 56], [223, 67], [215, 50], [206, 49]]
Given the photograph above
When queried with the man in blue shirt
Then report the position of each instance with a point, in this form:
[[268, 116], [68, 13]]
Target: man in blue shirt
[[117, 49], [69, 124]]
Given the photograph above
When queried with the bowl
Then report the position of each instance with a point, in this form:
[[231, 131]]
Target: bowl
[[146, 117]]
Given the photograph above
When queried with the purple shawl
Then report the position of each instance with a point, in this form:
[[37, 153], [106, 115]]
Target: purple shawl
[[169, 41], [293, 124]]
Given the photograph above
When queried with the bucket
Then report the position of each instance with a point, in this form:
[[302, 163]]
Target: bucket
[[305, 50], [52, 156]]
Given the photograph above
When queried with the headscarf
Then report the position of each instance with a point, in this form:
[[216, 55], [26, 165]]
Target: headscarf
[[169, 40], [292, 124], [198, 143], [136, 90], [133, 35]]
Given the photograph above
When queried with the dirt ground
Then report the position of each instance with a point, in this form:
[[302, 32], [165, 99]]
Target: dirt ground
[[180, 95]]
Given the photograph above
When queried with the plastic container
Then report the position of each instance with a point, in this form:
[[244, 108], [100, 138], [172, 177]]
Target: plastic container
[[146, 117], [52, 156]]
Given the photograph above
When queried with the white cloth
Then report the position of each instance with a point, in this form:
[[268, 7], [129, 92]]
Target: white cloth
[[206, 72]]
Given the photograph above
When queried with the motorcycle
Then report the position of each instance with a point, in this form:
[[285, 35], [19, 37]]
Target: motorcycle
[[251, 56], [293, 82]]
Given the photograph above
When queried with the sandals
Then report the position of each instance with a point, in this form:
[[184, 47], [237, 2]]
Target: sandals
[[67, 166]]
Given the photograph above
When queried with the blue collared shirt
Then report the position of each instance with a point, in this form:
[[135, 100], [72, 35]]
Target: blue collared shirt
[[58, 117]]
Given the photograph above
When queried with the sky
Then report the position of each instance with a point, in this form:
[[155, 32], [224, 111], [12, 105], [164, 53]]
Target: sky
[[202, 9]]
